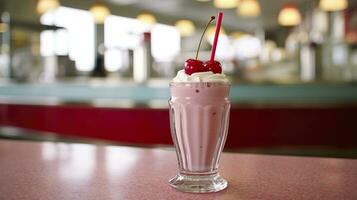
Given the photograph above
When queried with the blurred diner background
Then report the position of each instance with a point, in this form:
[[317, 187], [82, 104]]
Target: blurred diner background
[[97, 71]]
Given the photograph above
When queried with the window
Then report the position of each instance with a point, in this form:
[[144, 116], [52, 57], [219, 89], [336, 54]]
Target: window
[[75, 40], [122, 33]]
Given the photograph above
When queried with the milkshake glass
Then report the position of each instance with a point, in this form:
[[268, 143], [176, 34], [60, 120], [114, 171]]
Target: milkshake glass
[[199, 118]]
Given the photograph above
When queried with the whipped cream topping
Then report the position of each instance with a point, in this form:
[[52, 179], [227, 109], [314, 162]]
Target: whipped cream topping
[[200, 77]]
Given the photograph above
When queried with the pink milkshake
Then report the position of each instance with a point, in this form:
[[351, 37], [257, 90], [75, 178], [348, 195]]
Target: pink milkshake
[[199, 115]]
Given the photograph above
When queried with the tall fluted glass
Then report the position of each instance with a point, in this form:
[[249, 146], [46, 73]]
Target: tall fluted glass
[[199, 119]]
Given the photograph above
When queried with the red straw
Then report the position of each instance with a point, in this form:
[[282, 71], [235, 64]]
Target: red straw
[[215, 41]]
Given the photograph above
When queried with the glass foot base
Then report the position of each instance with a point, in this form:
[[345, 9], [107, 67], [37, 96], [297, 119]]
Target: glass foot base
[[198, 183]]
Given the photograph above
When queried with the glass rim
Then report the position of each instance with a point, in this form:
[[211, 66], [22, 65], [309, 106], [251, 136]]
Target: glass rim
[[214, 83]]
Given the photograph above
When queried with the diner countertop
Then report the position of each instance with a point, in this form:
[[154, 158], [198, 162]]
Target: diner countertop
[[49, 170]]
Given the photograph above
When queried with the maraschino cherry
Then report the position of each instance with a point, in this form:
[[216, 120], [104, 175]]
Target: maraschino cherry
[[195, 65], [213, 65]]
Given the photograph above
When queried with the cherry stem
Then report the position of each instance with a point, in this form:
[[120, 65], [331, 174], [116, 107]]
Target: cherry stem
[[199, 44], [215, 41]]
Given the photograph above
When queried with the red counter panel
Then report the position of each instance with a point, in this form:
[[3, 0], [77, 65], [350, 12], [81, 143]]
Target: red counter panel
[[249, 127]]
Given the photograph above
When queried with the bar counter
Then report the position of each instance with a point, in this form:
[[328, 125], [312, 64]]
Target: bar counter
[[49, 170], [262, 115], [100, 93]]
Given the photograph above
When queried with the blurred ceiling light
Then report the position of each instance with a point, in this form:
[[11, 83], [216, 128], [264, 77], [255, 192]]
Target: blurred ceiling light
[[46, 5], [289, 15], [185, 27], [237, 34], [100, 12], [249, 8], [147, 18], [333, 5], [211, 30], [226, 4]]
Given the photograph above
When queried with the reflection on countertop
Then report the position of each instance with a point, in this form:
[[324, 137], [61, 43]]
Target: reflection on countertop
[[85, 171]]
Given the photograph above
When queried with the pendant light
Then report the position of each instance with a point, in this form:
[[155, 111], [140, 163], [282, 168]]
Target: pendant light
[[289, 15], [185, 27], [333, 5], [249, 8], [226, 4], [147, 18], [99, 12], [46, 5]]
